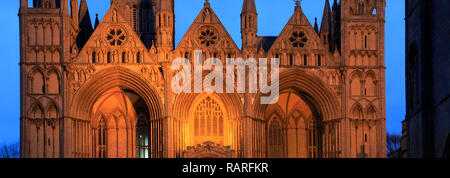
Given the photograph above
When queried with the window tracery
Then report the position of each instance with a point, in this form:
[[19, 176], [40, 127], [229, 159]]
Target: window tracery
[[116, 36], [298, 39], [208, 121], [208, 37]]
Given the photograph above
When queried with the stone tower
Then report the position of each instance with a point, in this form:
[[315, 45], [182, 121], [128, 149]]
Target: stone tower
[[362, 56], [45, 45]]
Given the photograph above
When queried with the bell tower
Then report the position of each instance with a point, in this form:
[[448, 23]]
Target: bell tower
[[362, 51], [43, 48]]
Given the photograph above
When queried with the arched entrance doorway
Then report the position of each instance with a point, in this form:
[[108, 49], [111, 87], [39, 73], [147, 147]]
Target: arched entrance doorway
[[294, 128], [117, 115], [303, 123]]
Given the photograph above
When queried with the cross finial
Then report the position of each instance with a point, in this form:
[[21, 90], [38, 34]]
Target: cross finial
[[297, 2]]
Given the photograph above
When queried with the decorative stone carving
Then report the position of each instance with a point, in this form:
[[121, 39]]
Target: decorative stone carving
[[209, 150]]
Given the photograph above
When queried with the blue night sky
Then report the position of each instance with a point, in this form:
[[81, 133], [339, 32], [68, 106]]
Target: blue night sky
[[273, 16]]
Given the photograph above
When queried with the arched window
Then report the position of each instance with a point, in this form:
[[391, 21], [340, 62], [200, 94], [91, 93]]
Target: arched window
[[101, 138], [124, 58], [94, 56], [37, 83], [313, 132], [52, 82], [319, 60], [142, 138], [365, 42], [370, 85], [355, 85], [305, 60], [208, 122], [138, 57], [291, 59], [276, 146], [108, 59]]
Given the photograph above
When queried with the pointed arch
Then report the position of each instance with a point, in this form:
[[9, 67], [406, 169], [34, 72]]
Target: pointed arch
[[52, 111], [36, 111], [357, 111], [53, 81], [37, 80], [370, 87], [275, 138], [371, 113], [355, 83]]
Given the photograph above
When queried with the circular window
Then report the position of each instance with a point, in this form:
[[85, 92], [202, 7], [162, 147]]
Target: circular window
[[116, 36], [208, 37], [298, 39]]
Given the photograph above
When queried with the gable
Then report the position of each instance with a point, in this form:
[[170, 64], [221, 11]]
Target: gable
[[113, 35], [297, 34], [207, 32]]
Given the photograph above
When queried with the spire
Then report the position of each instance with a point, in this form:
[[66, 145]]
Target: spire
[[96, 21], [326, 18], [335, 29], [316, 27], [85, 24], [206, 3], [298, 5], [249, 6], [85, 18]]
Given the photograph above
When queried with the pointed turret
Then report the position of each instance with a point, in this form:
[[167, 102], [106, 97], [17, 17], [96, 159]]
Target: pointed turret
[[249, 24], [96, 21], [336, 26], [325, 27], [85, 24], [316, 26], [249, 6], [165, 25]]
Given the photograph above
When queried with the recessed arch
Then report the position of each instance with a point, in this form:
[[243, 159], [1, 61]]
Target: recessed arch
[[311, 89], [109, 78]]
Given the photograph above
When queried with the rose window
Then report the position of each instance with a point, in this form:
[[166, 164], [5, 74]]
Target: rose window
[[115, 37], [207, 37], [298, 39]]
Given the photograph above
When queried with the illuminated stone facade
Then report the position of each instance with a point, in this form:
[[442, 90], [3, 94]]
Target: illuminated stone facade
[[106, 91]]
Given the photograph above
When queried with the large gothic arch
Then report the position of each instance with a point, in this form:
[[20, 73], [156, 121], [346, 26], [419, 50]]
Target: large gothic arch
[[104, 140], [316, 135], [306, 85], [109, 78]]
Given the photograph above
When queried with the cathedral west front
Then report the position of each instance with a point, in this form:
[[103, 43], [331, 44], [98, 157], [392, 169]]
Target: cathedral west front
[[104, 89]]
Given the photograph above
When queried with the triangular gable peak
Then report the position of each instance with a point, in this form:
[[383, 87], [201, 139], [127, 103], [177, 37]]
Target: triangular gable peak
[[298, 34], [114, 41], [207, 33]]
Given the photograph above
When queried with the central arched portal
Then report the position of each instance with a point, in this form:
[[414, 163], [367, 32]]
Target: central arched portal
[[208, 123]]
